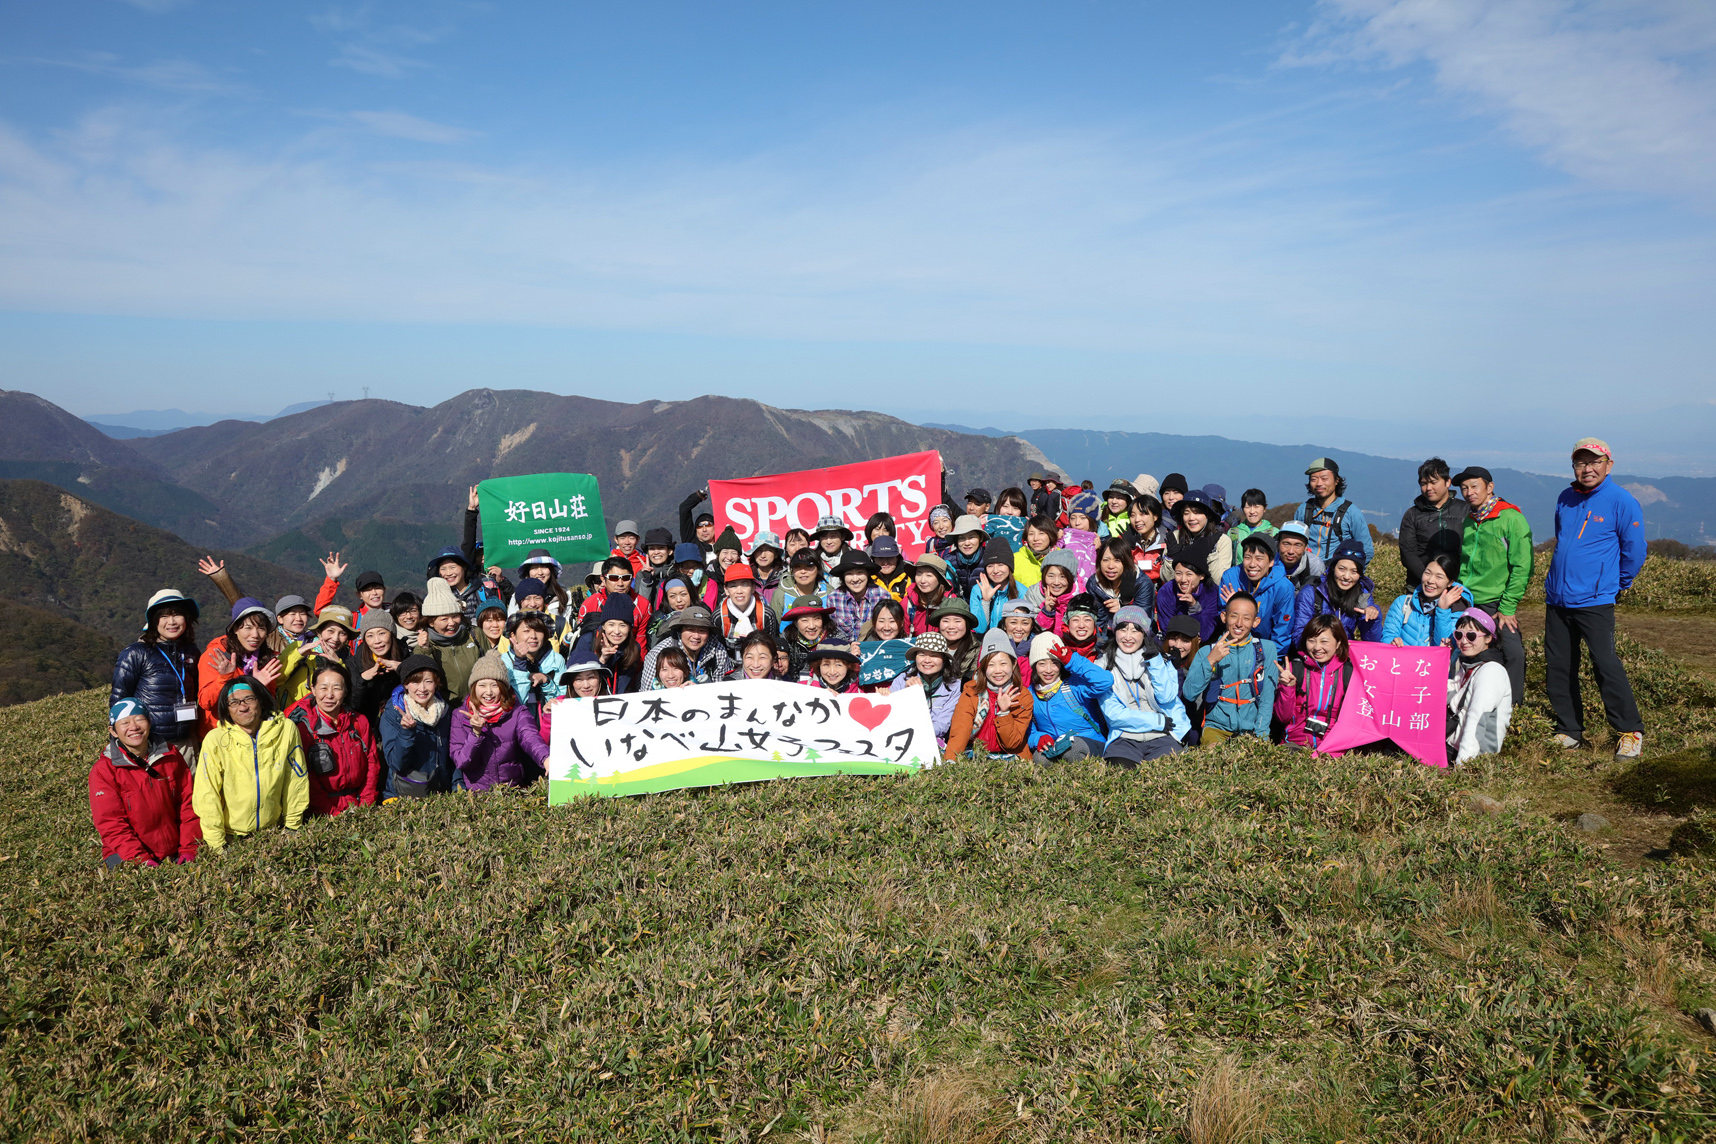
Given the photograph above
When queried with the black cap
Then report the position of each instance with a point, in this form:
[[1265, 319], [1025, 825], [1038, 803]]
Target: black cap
[[370, 580], [1259, 540], [1184, 626], [1174, 481], [979, 496], [1473, 473], [659, 538], [420, 662], [804, 557], [704, 518]]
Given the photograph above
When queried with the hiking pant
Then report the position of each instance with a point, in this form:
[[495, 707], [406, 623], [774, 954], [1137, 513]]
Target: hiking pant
[[1564, 630], [1512, 648], [1129, 753]]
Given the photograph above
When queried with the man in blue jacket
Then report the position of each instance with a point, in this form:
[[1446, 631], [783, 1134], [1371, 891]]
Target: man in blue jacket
[[1259, 575], [1329, 517], [1599, 548]]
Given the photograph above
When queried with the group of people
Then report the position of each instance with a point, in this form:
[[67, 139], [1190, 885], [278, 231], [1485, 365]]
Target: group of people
[[1049, 622]]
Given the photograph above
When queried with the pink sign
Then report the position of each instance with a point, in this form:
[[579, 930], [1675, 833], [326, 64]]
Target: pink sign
[[1082, 545], [1398, 693], [905, 487]]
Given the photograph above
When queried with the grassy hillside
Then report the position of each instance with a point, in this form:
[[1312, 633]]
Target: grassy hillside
[[1237, 944]]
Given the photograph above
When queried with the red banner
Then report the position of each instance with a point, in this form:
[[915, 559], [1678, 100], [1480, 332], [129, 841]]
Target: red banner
[[1398, 693], [904, 487]]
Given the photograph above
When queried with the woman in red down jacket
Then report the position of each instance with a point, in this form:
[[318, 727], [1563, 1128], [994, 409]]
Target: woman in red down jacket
[[340, 747], [140, 794]]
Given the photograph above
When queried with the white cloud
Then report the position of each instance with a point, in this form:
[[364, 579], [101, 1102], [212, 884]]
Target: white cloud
[[374, 61], [182, 76], [1233, 250], [399, 125], [1619, 92]]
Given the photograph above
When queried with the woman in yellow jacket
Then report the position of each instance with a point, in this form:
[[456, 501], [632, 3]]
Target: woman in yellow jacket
[[250, 769]]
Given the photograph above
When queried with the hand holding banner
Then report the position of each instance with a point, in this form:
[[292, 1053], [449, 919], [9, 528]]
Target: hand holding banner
[[1398, 693]]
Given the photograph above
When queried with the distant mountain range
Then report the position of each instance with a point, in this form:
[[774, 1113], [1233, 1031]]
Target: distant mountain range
[[385, 482], [1680, 508], [158, 422]]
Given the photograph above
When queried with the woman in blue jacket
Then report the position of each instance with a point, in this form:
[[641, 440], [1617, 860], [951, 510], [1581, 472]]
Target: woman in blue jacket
[[1343, 591], [1066, 715], [416, 732], [1145, 715], [1425, 617], [160, 671]]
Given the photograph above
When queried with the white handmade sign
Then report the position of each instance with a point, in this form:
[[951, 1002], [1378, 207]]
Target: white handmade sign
[[741, 731]]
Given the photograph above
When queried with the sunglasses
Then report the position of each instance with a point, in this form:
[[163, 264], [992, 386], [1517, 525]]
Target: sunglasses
[[618, 579], [1467, 637]]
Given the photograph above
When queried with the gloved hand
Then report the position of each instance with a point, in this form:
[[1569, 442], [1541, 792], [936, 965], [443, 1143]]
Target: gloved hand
[[184, 860], [1044, 742], [150, 862], [1062, 653]]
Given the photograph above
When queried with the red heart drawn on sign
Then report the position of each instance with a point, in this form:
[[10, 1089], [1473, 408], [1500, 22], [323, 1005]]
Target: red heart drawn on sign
[[871, 715]]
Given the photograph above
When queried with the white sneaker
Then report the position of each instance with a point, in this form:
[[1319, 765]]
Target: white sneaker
[[1630, 745], [1568, 742]]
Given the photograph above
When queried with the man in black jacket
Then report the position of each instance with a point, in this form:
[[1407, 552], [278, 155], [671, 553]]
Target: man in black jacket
[[1436, 522]]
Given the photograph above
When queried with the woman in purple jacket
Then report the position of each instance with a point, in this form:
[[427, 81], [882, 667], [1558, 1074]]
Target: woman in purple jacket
[[495, 741], [1187, 593]]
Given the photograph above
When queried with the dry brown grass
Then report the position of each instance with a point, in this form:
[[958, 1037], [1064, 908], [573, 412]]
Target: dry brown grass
[[950, 1107], [1228, 1106]]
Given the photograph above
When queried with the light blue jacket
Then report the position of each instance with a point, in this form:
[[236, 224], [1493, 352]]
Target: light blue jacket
[[552, 664], [1418, 622], [1125, 709], [1324, 542], [1274, 600], [990, 617]]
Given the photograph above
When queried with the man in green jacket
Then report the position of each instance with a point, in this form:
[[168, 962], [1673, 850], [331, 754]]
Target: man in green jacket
[[1495, 564]]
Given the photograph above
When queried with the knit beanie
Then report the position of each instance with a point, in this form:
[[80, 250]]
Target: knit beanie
[[439, 600]]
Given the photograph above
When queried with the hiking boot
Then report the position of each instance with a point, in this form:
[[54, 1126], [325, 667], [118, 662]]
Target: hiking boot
[[1630, 745], [1568, 742]]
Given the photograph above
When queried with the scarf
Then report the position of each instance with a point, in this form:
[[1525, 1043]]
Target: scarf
[[1131, 672], [1479, 511], [429, 716], [1351, 600], [931, 684], [1048, 690], [453, 640], [488, 712], [741, 625], [984, 730]]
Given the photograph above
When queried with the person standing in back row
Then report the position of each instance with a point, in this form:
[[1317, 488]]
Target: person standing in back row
[[1329, 517], [1434, 524], [1495, 564], [1599, 549]]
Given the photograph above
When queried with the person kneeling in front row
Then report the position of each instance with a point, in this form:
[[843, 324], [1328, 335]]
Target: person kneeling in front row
[[250, 772], [140, 794]]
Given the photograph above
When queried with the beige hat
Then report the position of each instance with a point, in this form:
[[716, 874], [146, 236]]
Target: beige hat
[[1145, 483], [439, 600], [489, 667], [966, 523], [1042, 645]]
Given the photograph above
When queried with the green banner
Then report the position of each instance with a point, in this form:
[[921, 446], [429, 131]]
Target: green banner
[[560, 512]]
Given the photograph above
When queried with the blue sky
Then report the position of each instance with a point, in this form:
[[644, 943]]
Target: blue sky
[[1140, 215]]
